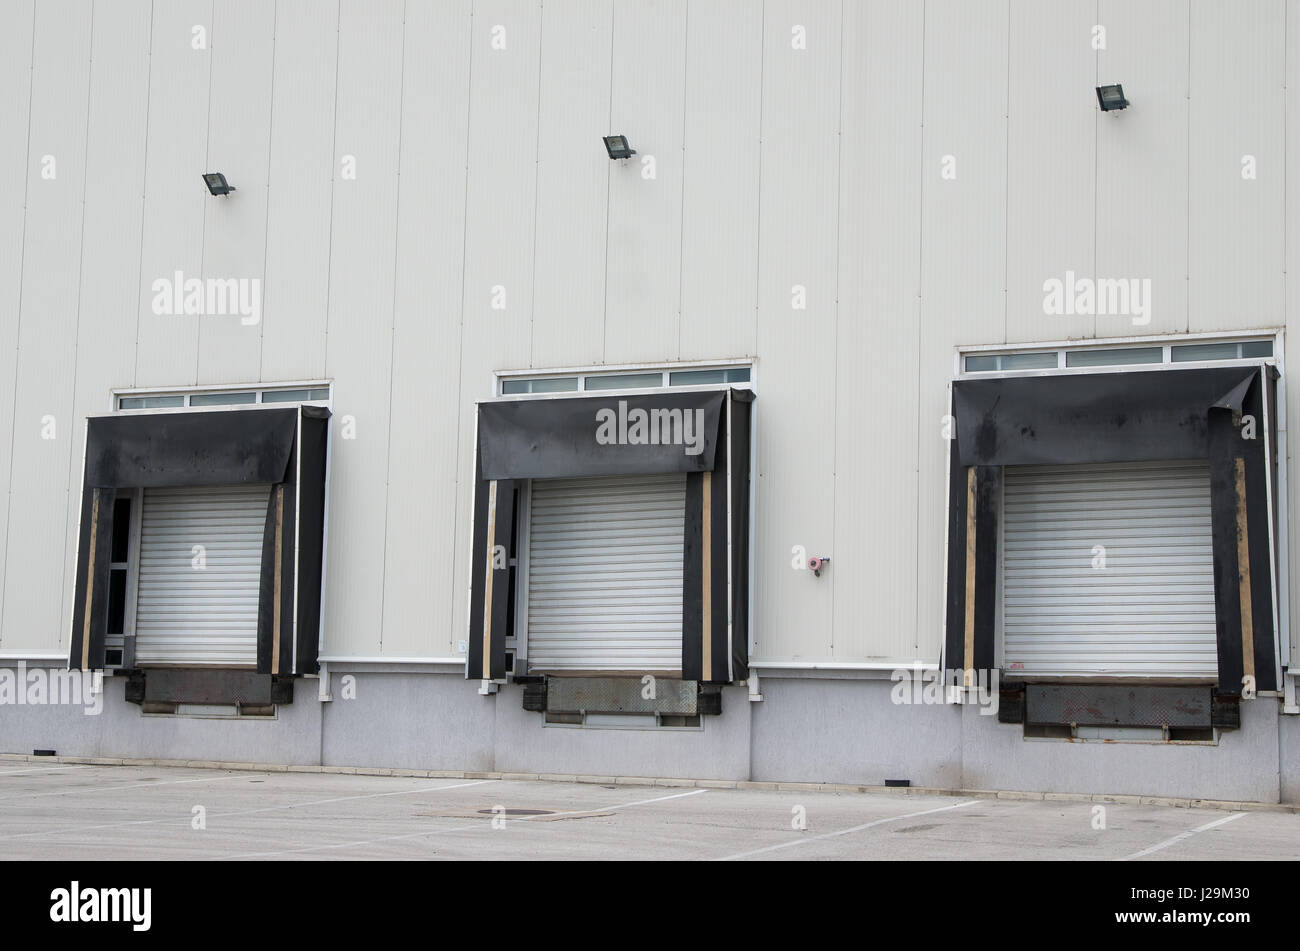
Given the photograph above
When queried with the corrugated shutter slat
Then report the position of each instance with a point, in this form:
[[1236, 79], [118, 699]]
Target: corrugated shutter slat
[[191, 617], [605, 573], [1149, 611]]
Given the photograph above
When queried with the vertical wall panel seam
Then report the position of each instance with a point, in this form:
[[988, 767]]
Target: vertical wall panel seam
[[757, 475], [681, 220], [1006, 189], [144, 185], [835, 323], [1276, 579], [609, 185], [1096, 157], [18, 327], [392, 339], [334, 148], [270, 152], [758, 197], [1187, 259], [920, 316], [454, 561], [537, 180], [81, 259], [1282, 154], [76, 333], [207, 159]]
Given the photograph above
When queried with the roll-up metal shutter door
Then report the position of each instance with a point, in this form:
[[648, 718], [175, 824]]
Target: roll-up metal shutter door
[[189, 616], [1149, 612], [605, 573]]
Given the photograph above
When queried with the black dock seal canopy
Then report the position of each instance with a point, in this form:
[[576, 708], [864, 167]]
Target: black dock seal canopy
[[283, 447], [703, 433], [1093, 417], [598, 435], [177, 449], [1226, 415]]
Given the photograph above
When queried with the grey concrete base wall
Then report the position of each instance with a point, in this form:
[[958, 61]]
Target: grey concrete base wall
[[408, 721], [121, 729], [1242, 765], [718, 751], [1289, 757], [804, 730], [849, 731]]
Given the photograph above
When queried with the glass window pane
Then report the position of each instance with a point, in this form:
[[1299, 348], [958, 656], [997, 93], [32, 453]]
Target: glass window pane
[[554, 384], [702, 377], [1111, 358], [149, 402], [121, 529], [696, 377], [295, 396], [1257, 348], [1181, 353], [223, 399], [287, 396], [978, 362], [116, 600], [624, 381], [1028, 361]]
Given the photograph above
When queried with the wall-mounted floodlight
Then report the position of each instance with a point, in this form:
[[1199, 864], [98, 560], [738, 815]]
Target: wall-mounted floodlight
[[1111, 98], [217, 183], [617, 147]]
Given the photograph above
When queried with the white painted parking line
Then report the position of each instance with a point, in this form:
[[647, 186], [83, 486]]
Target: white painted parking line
[[222, 815], [644, 802], [428, 832], [622, 805], [95, 789], [1182, 835], [43, 769], [830, 835]]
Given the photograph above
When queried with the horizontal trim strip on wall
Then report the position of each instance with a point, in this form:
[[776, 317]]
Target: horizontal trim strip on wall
[[439, 661], [843, 665]]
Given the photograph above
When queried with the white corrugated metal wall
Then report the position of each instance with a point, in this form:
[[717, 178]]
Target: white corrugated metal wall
[[424, 194]]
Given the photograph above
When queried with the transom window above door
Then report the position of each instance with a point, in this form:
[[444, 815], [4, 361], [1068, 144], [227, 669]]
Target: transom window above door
[[512, 384]]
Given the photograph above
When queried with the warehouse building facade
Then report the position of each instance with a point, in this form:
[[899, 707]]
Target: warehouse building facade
[[898, 392]]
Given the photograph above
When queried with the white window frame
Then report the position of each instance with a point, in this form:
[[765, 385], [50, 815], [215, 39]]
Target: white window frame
[[518, 643], [1279, 543], [186, 392], [500, 377], [1165, 341]]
